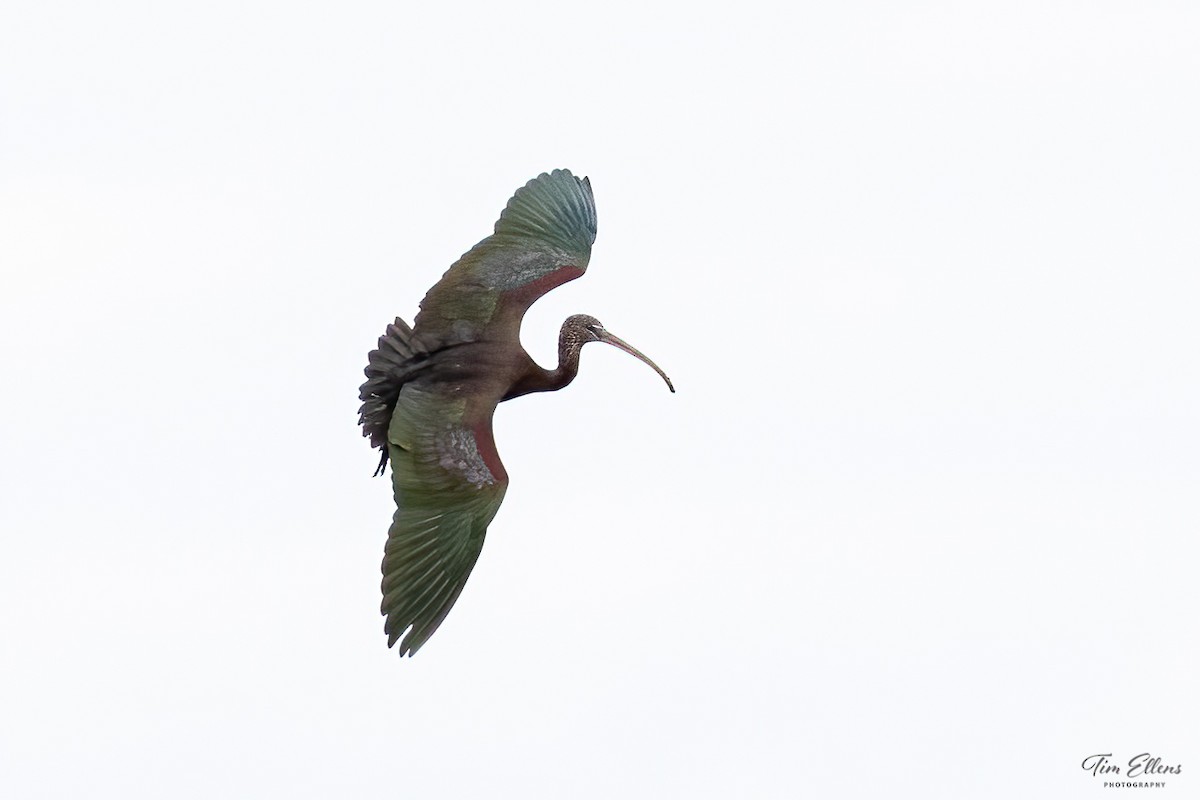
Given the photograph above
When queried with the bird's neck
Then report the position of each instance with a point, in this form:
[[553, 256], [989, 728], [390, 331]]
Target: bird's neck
[[568, 363], [537, 379]]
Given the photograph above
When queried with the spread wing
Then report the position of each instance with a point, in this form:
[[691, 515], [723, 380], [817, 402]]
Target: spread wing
[[543, 238], [448, 483]]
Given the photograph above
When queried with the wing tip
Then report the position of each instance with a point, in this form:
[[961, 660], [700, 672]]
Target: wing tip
[[410, 645], [557, 207]]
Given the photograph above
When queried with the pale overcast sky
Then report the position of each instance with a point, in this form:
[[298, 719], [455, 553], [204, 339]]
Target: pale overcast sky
[[920, 522]]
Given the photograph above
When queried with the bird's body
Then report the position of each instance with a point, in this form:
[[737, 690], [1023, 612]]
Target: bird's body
[[431, 391]]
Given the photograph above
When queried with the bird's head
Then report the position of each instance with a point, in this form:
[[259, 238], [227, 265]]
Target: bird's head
[[580, 329]]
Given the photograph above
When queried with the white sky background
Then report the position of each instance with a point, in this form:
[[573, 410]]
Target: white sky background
[[920, 522]]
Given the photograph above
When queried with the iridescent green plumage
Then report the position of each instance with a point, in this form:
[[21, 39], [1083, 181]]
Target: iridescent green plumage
[[446, 496], [550, 223], [431, 391]]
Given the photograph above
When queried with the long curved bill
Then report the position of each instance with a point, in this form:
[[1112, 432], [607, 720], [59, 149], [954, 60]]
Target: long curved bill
[[621, 344]]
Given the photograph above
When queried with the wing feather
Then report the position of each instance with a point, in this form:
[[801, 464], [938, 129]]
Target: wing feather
[[446, 496], [550, 223]]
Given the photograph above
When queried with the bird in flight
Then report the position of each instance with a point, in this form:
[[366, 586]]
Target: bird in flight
[[432, 388]]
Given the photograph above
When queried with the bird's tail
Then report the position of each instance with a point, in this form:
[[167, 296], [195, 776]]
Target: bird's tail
[[399, 355]]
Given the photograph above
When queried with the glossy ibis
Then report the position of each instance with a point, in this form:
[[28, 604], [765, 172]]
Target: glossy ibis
[[431, 390]]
